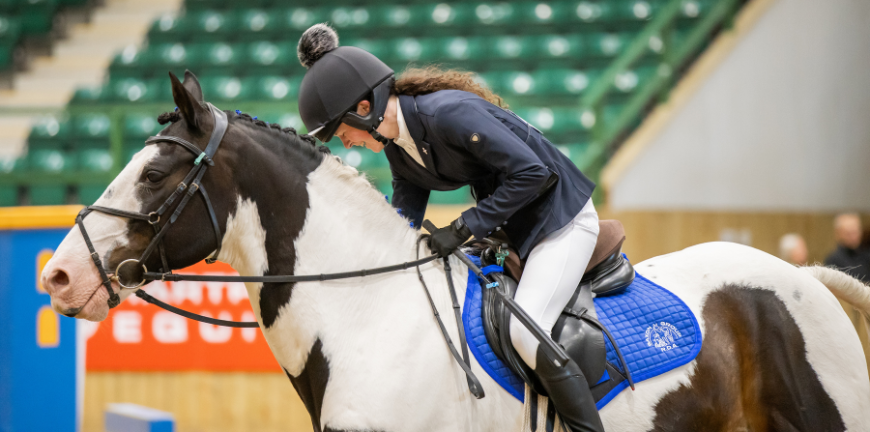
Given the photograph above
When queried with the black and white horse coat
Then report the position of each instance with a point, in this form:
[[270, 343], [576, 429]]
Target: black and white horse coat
[[365, 354]]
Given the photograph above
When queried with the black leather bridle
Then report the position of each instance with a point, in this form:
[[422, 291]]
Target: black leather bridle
[[186, 189]]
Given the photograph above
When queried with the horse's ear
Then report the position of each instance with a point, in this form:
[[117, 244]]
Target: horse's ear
[[190, 108], [192, 85]]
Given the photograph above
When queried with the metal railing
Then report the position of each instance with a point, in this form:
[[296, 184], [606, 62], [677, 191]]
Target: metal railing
[[672, 58]]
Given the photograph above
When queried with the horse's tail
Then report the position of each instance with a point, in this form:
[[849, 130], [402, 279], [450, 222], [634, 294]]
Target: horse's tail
[[844, 287]]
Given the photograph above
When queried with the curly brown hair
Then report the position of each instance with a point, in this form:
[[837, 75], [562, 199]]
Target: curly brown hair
[[430, 79]]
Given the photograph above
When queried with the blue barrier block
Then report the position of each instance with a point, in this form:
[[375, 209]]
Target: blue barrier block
[[41, 367], [127, 417]]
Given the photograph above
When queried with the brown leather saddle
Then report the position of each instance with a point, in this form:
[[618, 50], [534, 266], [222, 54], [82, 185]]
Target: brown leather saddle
[[577, 330]]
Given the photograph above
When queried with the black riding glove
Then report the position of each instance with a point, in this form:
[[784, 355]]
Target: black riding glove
[[444, 240]]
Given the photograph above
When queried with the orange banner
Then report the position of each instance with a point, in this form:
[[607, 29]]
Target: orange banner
[[138, 336]]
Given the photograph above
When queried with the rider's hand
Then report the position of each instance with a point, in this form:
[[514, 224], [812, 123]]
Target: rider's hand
[[444, 240]]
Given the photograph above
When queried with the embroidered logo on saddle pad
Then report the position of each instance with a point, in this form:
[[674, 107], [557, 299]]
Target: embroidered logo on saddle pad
[[662, 335]]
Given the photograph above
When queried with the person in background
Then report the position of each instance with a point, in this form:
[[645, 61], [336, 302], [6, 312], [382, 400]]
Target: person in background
[[793, 249], [849, 256], [852, 257]]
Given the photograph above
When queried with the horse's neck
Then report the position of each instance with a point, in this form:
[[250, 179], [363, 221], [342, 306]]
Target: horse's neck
[[349, 225], [366, 328]]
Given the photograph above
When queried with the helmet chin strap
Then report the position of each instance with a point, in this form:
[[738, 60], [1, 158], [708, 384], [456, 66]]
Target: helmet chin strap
[[371, 121], [377, 135]]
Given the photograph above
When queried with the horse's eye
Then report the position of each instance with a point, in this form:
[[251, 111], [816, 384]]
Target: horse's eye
[[154, 176]]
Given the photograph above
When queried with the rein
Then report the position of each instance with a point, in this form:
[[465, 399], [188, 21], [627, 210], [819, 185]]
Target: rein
[[188, 187]]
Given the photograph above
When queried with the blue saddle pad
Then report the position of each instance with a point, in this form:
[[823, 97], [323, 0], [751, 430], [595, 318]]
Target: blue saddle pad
[[654, 329]]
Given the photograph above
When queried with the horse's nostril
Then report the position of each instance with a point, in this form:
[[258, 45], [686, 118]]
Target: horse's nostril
[[59, 279]]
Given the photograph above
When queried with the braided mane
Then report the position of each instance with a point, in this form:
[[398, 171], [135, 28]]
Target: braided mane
[[174, 116]]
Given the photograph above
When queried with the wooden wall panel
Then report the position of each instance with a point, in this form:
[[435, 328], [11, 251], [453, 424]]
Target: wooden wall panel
[[653, 233], [201, 401]]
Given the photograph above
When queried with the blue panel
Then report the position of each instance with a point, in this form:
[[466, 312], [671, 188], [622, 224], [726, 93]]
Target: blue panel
[[32, 376]]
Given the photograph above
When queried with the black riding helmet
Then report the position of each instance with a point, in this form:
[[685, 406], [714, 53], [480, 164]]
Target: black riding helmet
[[338, 79]]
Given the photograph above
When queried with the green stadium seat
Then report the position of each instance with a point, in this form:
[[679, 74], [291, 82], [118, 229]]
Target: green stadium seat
[[170, 27], [559, 46], [519, 83], [51, 161], [131, 61], [91, 130], [10, 30], [531, 13], [49, 133], [88, 95], [443, 14], [300, 18], [171, 54], [6, 56], [257, 24], [37, 17], [275, 88], [129, 90], [226, 88], [635, 10], [692, 9], [220, 56], [396, 15], [511, 47], [380, 48], [492, 14], [140, 126], [462, 48], [94, 160], [267, 54], [414, 49], [629, 81], [563, 81], [350, 18], [213, 25], [89, 193], [608, 44], [8, 195], [592, 11], [200, 5]]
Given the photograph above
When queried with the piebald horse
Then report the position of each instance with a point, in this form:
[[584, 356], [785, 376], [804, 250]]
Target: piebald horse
[[365, 354]]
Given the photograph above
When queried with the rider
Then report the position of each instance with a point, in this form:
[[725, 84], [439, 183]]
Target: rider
[[440, 131]]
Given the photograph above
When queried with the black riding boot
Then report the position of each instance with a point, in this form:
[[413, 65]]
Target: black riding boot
[[569, 393]]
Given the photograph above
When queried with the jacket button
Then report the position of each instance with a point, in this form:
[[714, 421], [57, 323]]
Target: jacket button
[[498, 228], [504, 223]]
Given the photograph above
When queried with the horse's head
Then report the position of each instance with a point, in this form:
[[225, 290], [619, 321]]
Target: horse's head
[[143, 186]]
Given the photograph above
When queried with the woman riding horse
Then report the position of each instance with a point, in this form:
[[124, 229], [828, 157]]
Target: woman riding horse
[[440, 131]]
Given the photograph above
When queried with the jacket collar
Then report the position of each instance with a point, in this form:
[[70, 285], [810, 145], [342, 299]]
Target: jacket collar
[[412, 117], [417, 131]]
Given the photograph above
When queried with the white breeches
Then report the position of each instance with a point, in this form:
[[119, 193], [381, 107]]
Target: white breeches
[[552, 272]]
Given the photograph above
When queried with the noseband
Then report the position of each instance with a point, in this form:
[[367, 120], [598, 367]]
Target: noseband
[[188, 187]]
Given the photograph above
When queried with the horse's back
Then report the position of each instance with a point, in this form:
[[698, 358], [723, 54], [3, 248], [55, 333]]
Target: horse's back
[[778, 351]]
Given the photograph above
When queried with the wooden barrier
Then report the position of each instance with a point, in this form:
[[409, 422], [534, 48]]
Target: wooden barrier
[[201, 401]]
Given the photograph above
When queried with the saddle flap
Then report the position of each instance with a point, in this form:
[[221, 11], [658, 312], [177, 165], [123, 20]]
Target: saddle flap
[[583, 342]]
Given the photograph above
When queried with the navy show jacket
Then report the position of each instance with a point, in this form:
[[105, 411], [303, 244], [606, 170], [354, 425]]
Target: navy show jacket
[[522, 183]]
